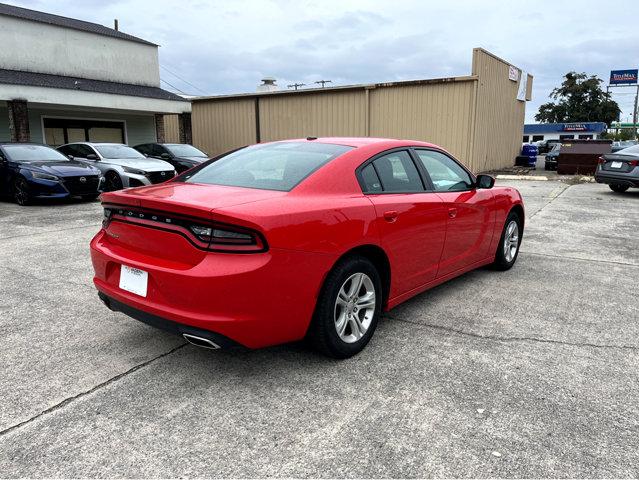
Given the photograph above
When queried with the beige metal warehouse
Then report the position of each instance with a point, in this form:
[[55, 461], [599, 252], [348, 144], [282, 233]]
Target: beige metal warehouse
[[478, 118]]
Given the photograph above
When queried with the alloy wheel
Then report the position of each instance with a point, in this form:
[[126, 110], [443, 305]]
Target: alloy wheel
[[21, 192], [511, 241], [354, 307]]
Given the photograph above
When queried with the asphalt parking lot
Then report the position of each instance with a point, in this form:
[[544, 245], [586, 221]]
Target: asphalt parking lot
[[530, 372]]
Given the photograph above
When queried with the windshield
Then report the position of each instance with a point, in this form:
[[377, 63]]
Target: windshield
[[33, 153], [118, 151], [634, 150], [183, 150], [274, 166]]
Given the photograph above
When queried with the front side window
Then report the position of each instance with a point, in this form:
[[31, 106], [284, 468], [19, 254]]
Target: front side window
[[398, 173], [273, 166], [118, 151], [33, 153], [445, 173]]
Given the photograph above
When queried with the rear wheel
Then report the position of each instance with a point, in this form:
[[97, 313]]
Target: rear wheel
[[113, 182], [348, 309], [615, 187], [21, 192], [508, 247]]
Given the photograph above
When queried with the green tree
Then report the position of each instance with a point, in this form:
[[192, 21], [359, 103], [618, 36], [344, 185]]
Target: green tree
[[580, 98]]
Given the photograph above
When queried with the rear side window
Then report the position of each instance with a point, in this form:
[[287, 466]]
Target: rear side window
[[445, 173], [398, 173], [274, 166], [371, 180]]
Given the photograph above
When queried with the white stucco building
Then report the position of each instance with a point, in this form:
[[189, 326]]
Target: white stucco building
[[65, 80]]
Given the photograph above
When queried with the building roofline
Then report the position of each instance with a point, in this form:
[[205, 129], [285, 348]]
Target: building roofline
[[362, 86], [67, 22], [47, 80]]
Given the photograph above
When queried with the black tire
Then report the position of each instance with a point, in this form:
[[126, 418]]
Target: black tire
[[22, 192], [615, 187], [322, 333], [502, 261], [112, 182]]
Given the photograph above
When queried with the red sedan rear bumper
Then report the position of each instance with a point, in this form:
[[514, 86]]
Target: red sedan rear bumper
[[255, 300]]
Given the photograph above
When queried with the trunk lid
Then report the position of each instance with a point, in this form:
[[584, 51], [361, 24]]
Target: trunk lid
[[193, 199], [618, 163]]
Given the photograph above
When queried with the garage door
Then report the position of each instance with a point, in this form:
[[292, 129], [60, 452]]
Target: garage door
[[58, 131]]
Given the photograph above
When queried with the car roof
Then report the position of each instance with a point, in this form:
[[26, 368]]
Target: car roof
[[362, 141], [25, 143]]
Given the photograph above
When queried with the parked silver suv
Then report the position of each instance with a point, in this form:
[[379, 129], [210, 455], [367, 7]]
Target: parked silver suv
[[121, 165]]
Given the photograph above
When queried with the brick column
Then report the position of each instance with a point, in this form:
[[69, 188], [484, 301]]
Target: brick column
[[184, 124], [19, 120], [159, 128]]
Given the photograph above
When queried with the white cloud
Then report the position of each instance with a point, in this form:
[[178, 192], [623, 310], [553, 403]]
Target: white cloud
[[228, 46]]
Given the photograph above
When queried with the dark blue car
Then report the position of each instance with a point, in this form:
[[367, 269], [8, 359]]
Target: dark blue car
[[31, 171]]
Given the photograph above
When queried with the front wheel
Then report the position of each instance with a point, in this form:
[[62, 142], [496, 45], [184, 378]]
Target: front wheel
[[615, 187], [508, 247], [113, 182], [21, 192], [348, 309]]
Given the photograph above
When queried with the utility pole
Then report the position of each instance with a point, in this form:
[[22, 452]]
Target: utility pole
[[323, 82], [296, 85]]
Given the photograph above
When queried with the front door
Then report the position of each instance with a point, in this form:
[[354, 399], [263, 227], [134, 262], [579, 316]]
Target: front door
[[470, 216]]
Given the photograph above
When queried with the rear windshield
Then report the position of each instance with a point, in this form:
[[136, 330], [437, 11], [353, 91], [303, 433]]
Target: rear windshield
[[273, 166], [33, 153], [634, 150], [118, 151], [184, 150]]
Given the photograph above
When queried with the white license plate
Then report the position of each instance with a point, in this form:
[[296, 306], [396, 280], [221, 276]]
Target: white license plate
[[616, 165], [133, 280]]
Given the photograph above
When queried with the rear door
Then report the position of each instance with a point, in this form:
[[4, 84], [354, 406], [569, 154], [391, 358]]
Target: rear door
[[410, 220], [470, 216]]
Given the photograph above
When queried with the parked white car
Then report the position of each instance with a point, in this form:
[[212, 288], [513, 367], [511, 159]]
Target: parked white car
[[121, 165]]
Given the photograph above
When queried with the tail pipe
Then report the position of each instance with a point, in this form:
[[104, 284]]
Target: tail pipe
[[200, 342]]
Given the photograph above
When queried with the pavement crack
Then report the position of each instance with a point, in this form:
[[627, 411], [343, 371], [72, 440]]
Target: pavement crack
[[566, 187], [497, 338], [106, 383], [565, 257]]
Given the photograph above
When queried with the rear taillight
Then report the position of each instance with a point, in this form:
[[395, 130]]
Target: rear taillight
[[601, 160], [217, 237], [228, 238], [633, 163]]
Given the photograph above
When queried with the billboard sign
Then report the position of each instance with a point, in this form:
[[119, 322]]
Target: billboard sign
[[623, 77], [575, 127]]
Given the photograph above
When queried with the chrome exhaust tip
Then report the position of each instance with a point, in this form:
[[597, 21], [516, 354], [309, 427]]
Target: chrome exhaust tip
[[200, 342]]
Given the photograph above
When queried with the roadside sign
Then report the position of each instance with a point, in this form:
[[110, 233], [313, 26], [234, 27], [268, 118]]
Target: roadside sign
[[513, 73], [623, 77]]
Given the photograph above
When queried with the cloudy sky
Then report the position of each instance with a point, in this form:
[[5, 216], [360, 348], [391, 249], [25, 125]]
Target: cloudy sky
[[218, 47]]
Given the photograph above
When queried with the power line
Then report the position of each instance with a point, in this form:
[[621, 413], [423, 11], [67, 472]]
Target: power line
[[173, 86], [185, 81]]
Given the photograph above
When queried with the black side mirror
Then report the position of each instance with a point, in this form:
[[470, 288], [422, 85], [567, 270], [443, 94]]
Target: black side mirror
[[71, 157], [484, 181], [2, 160], [165, 156], [92, 156]]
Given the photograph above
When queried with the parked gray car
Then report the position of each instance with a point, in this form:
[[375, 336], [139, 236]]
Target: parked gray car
[[620, 170], [121, 165]]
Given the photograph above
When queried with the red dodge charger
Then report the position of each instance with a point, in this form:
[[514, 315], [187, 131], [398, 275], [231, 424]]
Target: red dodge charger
[[303, 238]]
